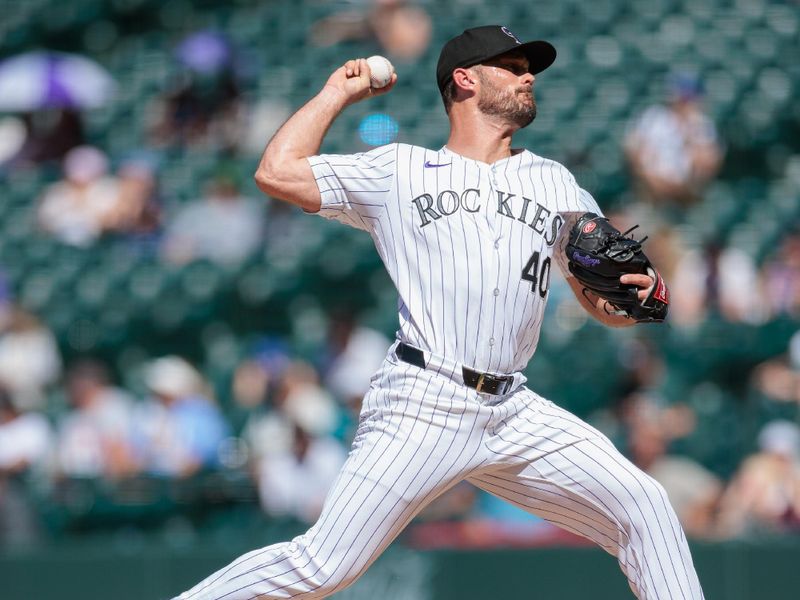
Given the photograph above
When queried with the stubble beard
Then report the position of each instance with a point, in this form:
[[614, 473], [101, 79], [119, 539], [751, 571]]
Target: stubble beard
[[507, 105]]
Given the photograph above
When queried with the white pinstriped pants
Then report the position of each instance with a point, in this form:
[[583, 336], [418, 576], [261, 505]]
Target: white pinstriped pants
[[419, 434]]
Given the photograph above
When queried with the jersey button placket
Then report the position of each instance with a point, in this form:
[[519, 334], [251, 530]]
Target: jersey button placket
[[497, 254]]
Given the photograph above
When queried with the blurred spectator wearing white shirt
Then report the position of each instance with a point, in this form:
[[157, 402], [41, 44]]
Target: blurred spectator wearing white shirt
[[25, 437], [224, 226], [294, 457], [80, 208], [29, 358], [355, 353], [95, 439], [25, 442], [720, 278], [288, 427], [674, 149], [297, 393], [293, 480]]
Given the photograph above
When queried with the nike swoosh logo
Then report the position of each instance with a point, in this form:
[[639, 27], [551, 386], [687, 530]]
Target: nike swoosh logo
[[429, 164]]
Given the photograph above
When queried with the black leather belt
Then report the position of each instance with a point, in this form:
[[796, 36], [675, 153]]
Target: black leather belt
[[480, 382]]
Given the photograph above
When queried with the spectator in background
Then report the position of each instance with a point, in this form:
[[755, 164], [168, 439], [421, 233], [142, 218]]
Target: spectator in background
[[353, 355], [224, 226], [295, 480], [764, 495], [204, 106], [294, 456], [179, 429], [94, 439], [12, 138], [719, 279], [29, 358], [779, 378], [400, 28], [782, 278], [673, 149], [265, 116], [137, 213], [80, 208], [296, 392], [25, 441], [257, 378], [48, 136]]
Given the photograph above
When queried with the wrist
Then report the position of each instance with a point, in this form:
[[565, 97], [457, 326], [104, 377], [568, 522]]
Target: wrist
[[333, 96]]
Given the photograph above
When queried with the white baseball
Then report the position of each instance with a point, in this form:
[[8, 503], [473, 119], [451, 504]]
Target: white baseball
[[380, 71]]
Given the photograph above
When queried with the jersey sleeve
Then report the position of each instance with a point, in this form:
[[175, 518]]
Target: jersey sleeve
[[583, 202], [354, 187]]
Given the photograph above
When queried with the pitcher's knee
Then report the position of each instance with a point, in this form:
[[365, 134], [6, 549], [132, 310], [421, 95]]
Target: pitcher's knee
[[659, 499], [327, 579], [649, 505], [320, 575]]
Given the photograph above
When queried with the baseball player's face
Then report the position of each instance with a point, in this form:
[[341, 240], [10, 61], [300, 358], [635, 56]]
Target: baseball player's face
[[507, 89]]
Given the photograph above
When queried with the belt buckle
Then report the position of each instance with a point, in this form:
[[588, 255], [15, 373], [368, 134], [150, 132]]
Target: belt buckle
[[479, 385]]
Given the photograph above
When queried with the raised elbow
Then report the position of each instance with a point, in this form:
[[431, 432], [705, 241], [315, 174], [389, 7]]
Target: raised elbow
[[287, 181], [266, 180]]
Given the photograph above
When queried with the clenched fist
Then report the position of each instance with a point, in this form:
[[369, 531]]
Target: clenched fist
[[352, 82]]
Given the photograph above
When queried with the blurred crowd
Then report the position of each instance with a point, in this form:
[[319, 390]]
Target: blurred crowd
[[286, 422], [287, 425]]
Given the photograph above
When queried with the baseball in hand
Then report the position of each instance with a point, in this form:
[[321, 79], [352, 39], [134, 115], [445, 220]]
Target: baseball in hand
[[380, 71]]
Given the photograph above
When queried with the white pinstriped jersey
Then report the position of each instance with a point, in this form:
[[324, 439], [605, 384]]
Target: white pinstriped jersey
[[469, 245]]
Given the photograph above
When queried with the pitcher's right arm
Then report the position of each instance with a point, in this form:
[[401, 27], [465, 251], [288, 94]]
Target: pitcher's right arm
[[283, 171]]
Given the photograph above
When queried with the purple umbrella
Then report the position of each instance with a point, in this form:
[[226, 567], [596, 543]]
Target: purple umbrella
[[37, 80]]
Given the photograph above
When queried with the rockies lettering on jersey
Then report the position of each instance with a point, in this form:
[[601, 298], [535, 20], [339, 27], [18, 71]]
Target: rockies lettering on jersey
[[449, 201], [463, 241]]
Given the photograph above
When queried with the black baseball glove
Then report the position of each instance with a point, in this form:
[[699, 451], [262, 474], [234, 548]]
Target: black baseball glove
[[599, 255]]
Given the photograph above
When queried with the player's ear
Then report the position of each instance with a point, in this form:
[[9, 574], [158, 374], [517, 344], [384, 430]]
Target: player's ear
[[464, 78]]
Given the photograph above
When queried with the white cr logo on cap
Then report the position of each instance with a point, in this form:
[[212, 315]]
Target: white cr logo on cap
[[509, 34]]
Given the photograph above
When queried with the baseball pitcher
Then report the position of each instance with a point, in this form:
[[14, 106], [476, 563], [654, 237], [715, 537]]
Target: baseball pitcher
[[469, 234]]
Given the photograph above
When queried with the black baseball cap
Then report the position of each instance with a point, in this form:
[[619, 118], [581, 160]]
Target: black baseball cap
[[478, 44]]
